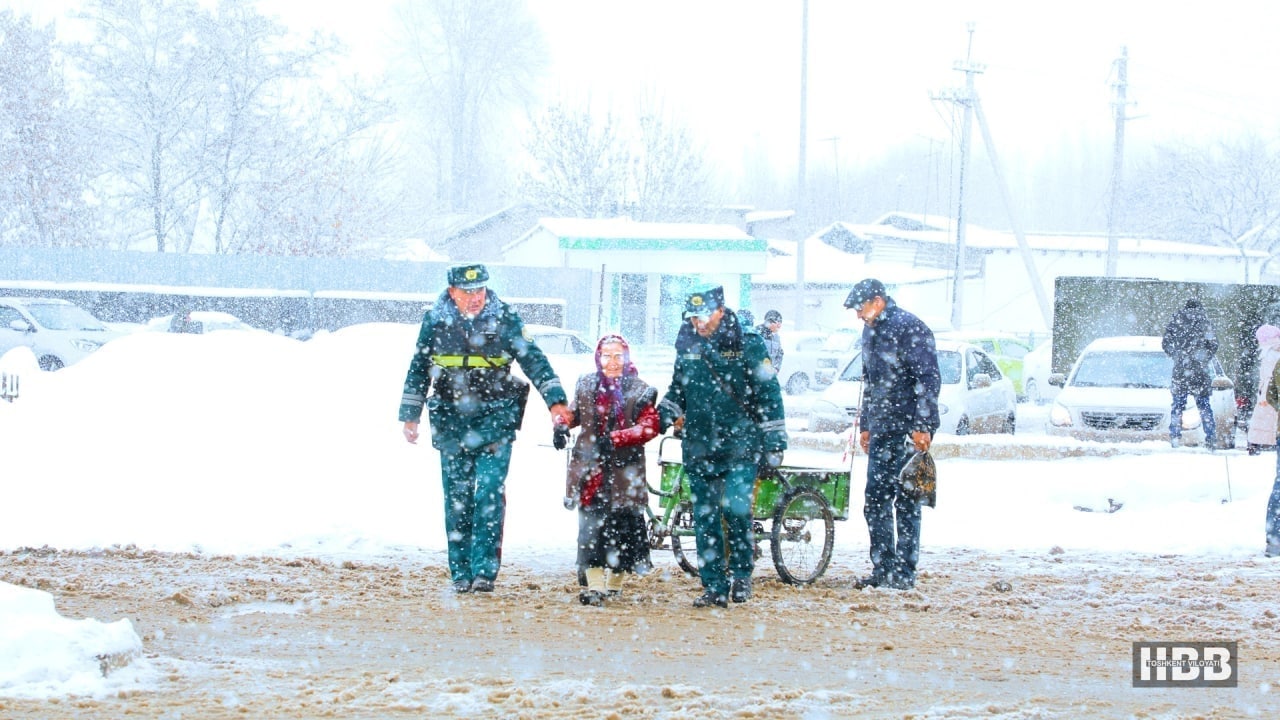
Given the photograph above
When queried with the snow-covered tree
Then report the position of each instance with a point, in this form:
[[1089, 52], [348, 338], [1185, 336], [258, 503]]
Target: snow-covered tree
[[151, 88], [44, 154], [1227, 194], [670, 175], [580, 166], [466, 69]]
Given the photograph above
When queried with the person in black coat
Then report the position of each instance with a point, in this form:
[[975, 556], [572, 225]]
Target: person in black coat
[[898, 416], [1189, 339]]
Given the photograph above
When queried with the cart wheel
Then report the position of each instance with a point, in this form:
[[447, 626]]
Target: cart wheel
[[802, 536], [682, 530]]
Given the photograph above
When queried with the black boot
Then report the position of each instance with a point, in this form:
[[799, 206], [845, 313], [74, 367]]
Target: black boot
[[708, 598], [740, 590]]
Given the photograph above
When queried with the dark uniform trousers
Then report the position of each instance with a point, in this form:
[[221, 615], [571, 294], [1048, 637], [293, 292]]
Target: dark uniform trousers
[[722, 501], [893, 520], [475, 501]]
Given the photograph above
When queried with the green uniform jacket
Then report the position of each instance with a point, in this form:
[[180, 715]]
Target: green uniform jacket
[[476, 402], [727, 391]]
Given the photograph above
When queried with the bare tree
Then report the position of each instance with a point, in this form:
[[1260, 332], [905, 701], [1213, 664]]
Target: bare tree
[[590, 167], [1224, 194], [44, 156], [670, 173], [150, 88], [580, 168], [466, 66]]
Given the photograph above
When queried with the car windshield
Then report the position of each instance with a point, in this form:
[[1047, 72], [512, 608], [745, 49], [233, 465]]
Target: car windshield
[[56, 316], [853, 371], [1131, 369], [842, 341], [949, 366]]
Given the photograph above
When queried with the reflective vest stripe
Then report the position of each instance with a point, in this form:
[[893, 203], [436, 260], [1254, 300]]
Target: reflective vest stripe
[[470, 361]]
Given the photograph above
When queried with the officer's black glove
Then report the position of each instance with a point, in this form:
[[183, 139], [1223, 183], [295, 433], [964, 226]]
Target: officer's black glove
[[560, 436], [570, 503]]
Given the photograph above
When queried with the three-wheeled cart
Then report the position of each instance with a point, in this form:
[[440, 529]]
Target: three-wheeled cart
[[800, 506]]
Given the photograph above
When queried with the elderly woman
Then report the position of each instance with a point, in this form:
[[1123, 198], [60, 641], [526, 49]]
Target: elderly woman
[[606, 477], [1262, 423]]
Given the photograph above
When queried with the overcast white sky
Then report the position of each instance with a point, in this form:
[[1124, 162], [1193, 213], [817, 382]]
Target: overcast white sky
[[732, 66]]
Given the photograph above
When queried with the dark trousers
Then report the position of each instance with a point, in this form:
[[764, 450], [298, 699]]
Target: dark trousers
[[893, 520], [1206, 417], [722, 513], [1273, 512], [475, 506]]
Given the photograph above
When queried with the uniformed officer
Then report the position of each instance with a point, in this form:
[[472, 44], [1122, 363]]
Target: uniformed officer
[[465, 348], [725, 399]]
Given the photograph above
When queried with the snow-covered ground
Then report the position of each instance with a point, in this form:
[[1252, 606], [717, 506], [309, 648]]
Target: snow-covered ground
[[244, 443]]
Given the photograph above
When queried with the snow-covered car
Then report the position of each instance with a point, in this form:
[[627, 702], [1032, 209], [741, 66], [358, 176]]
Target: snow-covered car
[[975, 396], [199, 322], [1118, 389], [1008, 352], [801, 350], [569, 354], [58, 332], [839, 345], [1037, 366]]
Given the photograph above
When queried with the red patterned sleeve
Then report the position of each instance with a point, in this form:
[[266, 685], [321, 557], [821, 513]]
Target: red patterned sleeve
[[647, 427]]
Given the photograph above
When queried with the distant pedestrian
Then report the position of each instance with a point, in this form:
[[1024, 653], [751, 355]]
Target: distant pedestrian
[[1263, 420], [725, 400], [1189, 339], [606, 477], [465, 348], [771, 330], [898, 417]]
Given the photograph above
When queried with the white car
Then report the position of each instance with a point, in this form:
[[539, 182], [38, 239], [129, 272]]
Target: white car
[[567, 352], [1037, 366], [975, 396], [1118, 389], [199, 322], [835, 352], [58, 332], [801, 350]]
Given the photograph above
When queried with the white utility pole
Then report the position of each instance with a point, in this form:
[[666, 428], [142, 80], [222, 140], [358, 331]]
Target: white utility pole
[[957, 290], [804, 151], [1117, 162]]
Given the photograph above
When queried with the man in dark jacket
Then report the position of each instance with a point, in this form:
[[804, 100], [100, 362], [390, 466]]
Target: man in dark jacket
[[899, 415], [725, 399], [465, 347], [769, 330], [1189, 339]]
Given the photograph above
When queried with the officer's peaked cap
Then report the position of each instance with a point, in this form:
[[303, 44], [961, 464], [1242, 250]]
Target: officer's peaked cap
[[468, 276]]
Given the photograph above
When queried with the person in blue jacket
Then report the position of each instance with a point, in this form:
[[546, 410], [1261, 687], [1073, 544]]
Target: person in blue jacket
[[725, 400], [465, 348], [899, 416]]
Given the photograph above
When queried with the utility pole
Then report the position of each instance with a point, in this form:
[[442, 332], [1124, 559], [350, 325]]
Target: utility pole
[[957, 289], [804, 151], [1117, 162], [835, 158]]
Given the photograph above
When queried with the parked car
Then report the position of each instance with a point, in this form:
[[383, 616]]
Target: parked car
[[1008, 352], [840, 344], [1118, 389], [801, 351], [568, 353], [1037, 366], [975, 396], [58, 332], [198, 322]]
